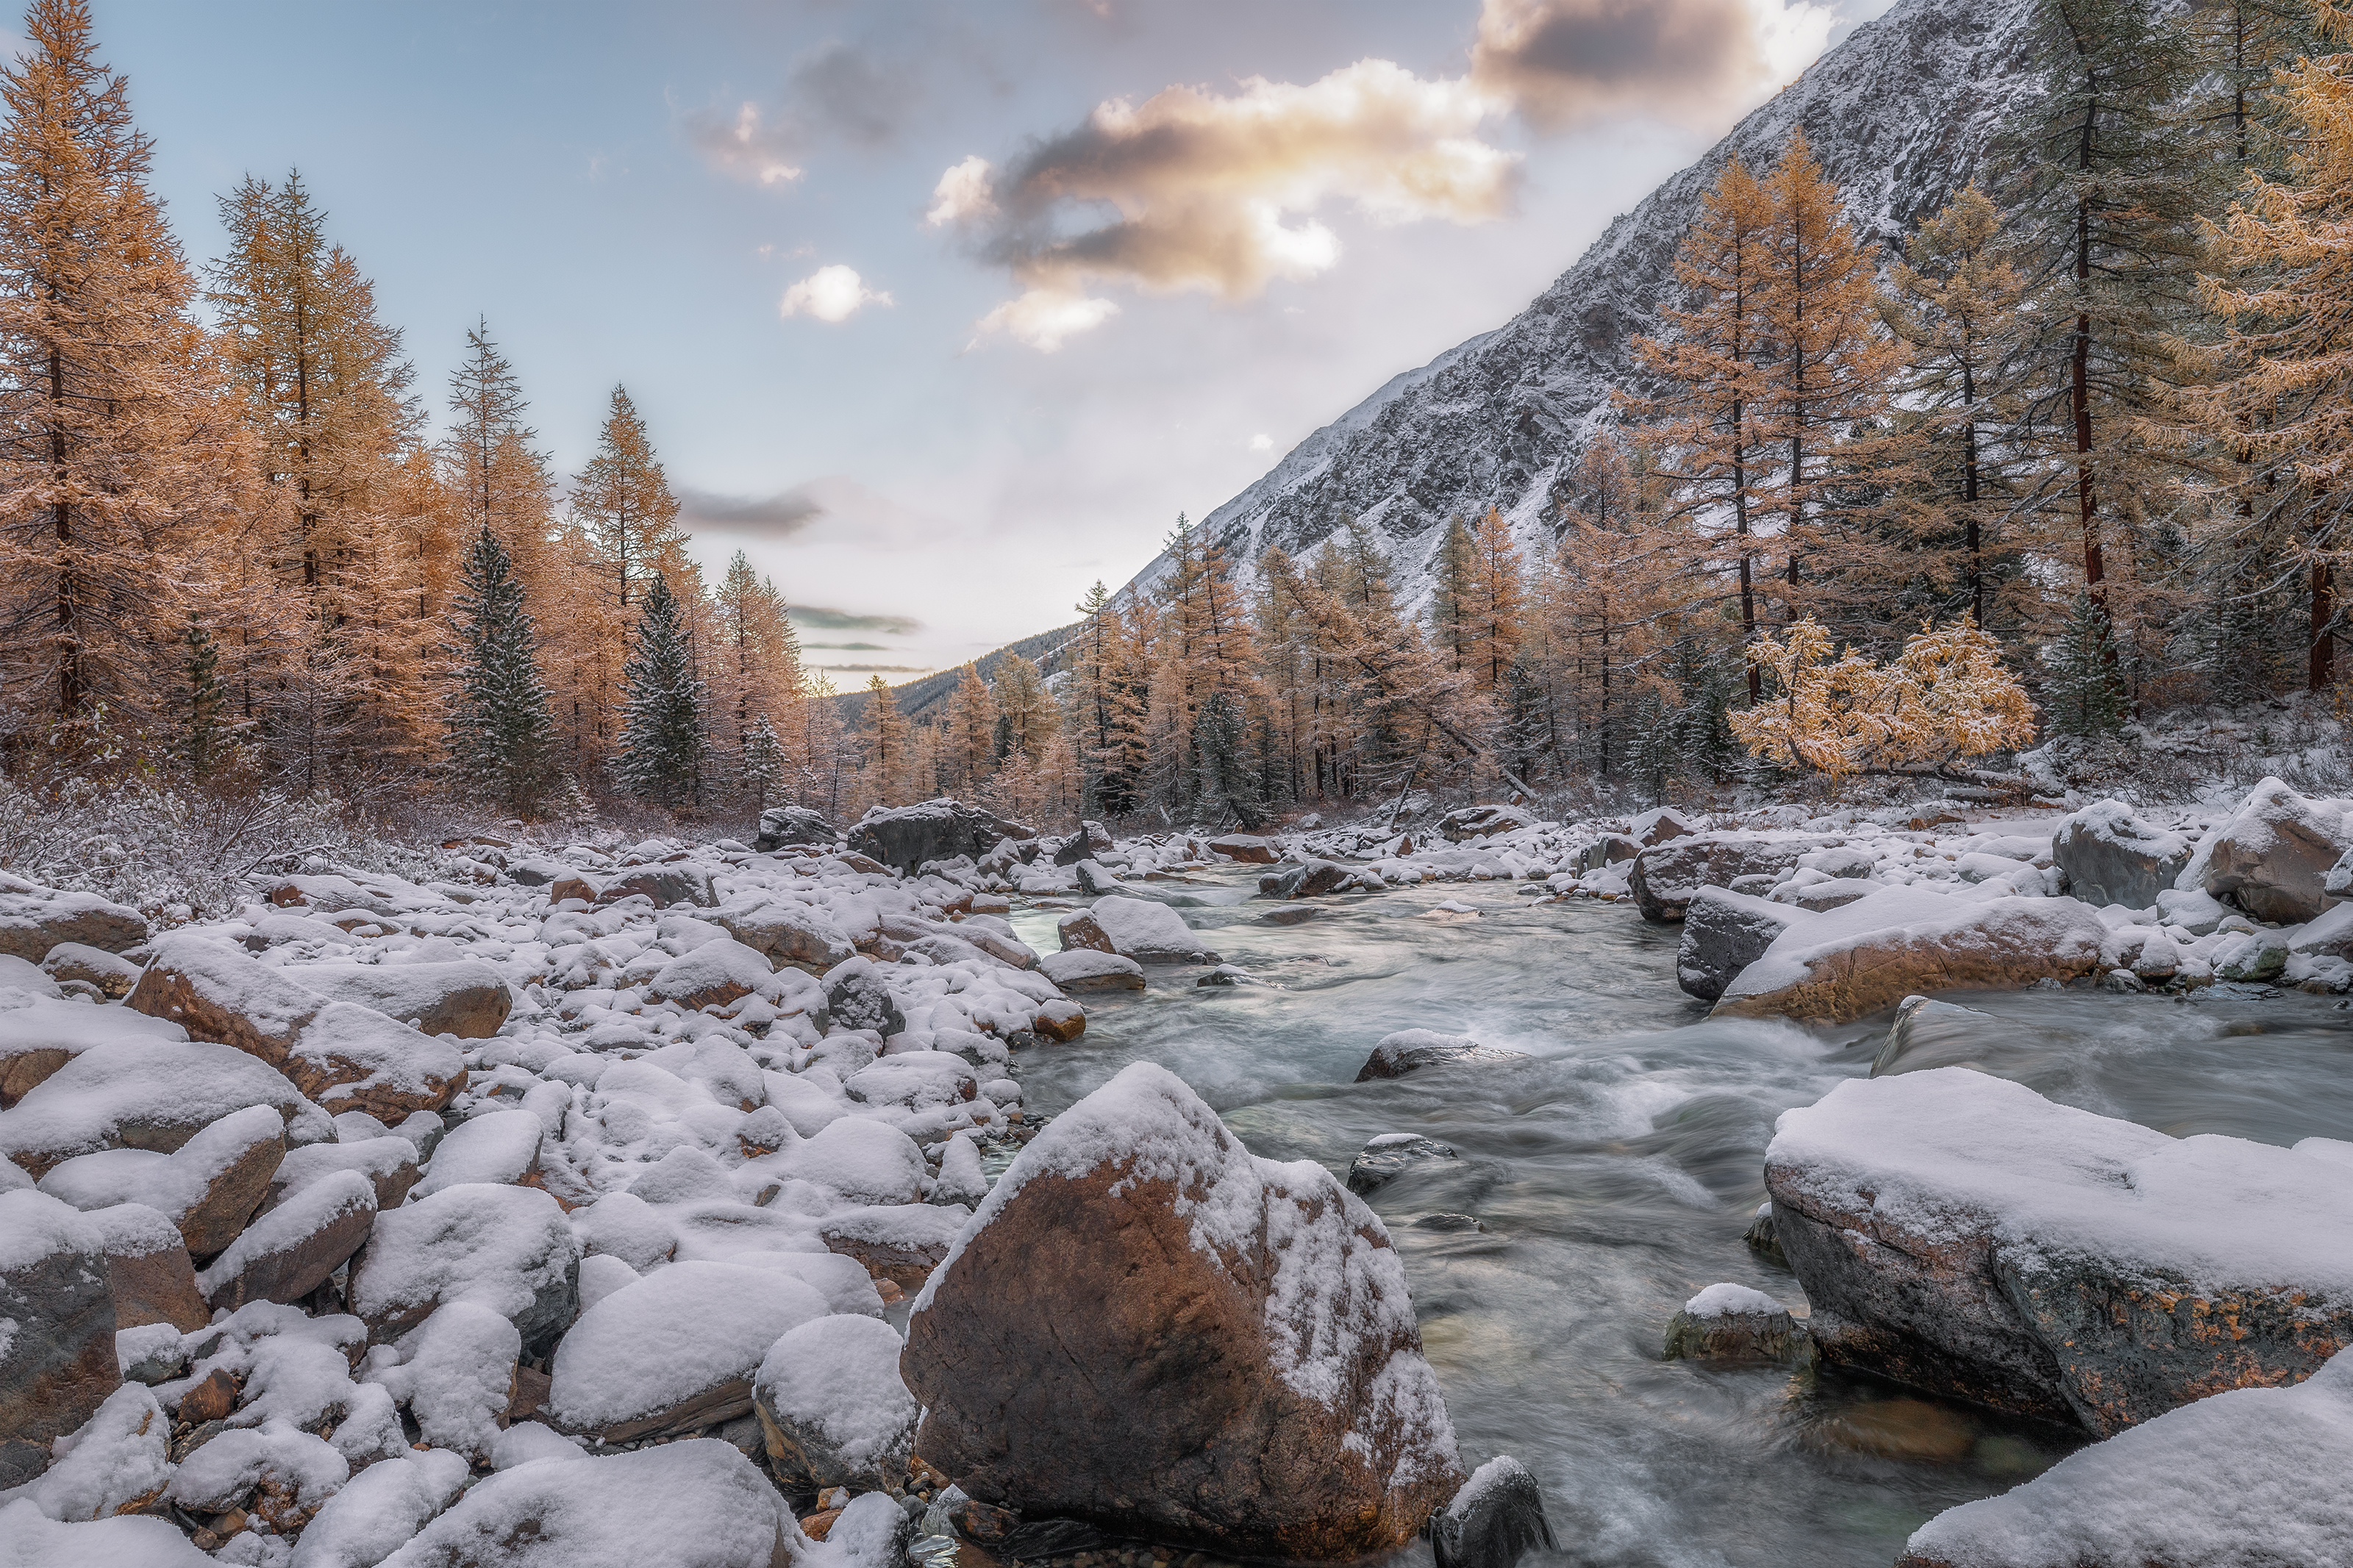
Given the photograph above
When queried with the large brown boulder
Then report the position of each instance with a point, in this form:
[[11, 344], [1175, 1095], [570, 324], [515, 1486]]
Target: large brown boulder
[[57, 1362], [35, 919], [291, 1250], [2271, 857], [139, 1093], [148, 1271], [342, 1055], [789, 934], [1846, 964], [1667, 875], [1961, 1234], [467, 998], [1246, 1376]]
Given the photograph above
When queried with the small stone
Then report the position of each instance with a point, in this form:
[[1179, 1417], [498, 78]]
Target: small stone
[[213, 1398], [1392, 1154]]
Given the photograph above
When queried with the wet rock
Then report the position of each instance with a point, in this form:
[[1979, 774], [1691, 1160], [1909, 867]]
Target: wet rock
[[56, 1361], [2273, 855], [783, 825], [1220, 1391], [1061, 1022], [789, 934], [1139, 929], [1667, 876], [1092, 969], [1289, 914], [33, 920], [2110, 855], [1963, 1234], [1495, 1519], [857, 998], [1409, 1050], [1733, 1322], [1609, 849], [467, 998], [1391, 1155], [1311, 880], [1246, 849], [291, 1251], [1723, 933], [832, 1407], [1902, 942], [1226, 975], [71, 960], [344, 1056], [905, 836], [1762, 1238], [1928, 1033]]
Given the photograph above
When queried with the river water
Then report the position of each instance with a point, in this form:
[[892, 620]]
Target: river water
[[1614, 1172]]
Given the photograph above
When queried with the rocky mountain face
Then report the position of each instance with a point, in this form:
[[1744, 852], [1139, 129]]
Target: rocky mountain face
[[1899, 115]]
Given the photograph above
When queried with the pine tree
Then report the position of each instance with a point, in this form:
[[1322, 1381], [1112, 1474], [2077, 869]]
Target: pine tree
[[2082, 693], [762, 764], [660, 752], [1229, 785], [204, 715], [117, 456], [501, 735]]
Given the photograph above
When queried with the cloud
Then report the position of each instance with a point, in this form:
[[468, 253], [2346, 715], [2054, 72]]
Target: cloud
[[882, 668], [1219, 192], [848, 646], [964, 194], [839, 88], [832, 293], [1043, 317], [1561, 62], [1261, 442], [818, 618], [786, 513], [745, 145]]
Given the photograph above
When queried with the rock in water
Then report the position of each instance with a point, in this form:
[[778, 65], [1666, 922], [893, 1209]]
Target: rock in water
[[1733, 1322], [1667, 876], [1391, 1155], [2110, 856], [1929, 1033], [2272, 857], [1140, 929], [1395, 1055], [1723, 933], [1962, 1234], [1246, 1376], [1497, 1518]]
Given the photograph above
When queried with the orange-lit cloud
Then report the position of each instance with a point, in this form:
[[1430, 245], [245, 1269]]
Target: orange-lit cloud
[[1560, 62]]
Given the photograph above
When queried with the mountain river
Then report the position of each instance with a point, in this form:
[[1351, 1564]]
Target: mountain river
[[1614, 1172]]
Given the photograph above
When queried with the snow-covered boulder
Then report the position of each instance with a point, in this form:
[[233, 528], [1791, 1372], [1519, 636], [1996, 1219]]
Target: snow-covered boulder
[[1470, 823], [788, 934], [454, 1372], [1927, 1030], [1723, 933], [1846, 964], [783, 825], [35, 919], [1495, 1519], [111, 976], [2273, 854], [466, 997], [905, 836], [1734, 1323], [2110, 855], [1140, 929], [508, 1249], [1246, 1376], [1310, 880], [899, 1242], [148, 1273], [291, 1251], [1092, 969], [379, 1509], [715, 973], [389, 1162], [1667, 876], [117, 1462], [40, 1035], [277, 1472], [56, 1361], [499, 1147], [139, 1093], [2252, 1476], [1248, 848], [1962, 1234], [833, 1409], [343, 1055], [674, 1352], [692, 1504], [209, 1187], [859, 1160], [1410, 1050], [857, 996], [31, 1539]]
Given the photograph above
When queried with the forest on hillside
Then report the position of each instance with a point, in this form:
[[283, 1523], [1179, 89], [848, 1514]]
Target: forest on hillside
[[2072, 458]]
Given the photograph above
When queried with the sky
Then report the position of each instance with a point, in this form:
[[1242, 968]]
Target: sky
[[944, 310]]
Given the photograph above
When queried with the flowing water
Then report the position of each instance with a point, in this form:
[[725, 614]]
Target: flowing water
[[1614, 1173]]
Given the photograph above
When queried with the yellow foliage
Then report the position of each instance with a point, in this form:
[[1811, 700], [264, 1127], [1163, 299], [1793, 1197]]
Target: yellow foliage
[[1947, 696]]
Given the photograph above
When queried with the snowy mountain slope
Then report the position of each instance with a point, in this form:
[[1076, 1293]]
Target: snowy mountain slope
[[1899, 115]]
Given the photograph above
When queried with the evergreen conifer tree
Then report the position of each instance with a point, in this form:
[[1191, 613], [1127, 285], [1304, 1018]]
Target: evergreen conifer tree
[[761, 763], [501, 735], [207, 703], [2082, 694], [1232, 776], [659, 756]]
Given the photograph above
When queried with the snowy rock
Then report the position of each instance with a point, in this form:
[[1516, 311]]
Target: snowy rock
[[30, 1538], [277, 1472], [1249, 1343], [858, 998], [498, 1147], [899, 1242], [1961, 1234], [1609, 849], [1092, 840], [1470, 823], [861, 1161], [380, 1509], [1311, 879], [665, 885], [2109, 855], [905, 836], [388, 1162], [1658, 825], [1139, 929], [2245, 1478], [507, 1249], [115, 1464], [1095, 878], [2253, 958], [962, 1179], [467, 998], [42, 1036], [1830, 893], [1244, 847], [1926, 1032], [32, 923], [132, 1093], [291, 1250], [112, 976], [1061, 1021], [1409, 1050], [2272, 855], [455, 1374], [148, 1272], [1495, 1519], [1667, 876], [674, 1352], [1090, 969], [1390, 1155], [1734, 1323], [790, 934], [692, 1504], [57, 1360], [715, 974], [345, 1057], [1723, 933], [211, 1184], [1849, 962], [832, 1406], [783, 825]]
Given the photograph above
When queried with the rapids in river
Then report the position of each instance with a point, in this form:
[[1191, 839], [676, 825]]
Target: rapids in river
[[1613, 1174]]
